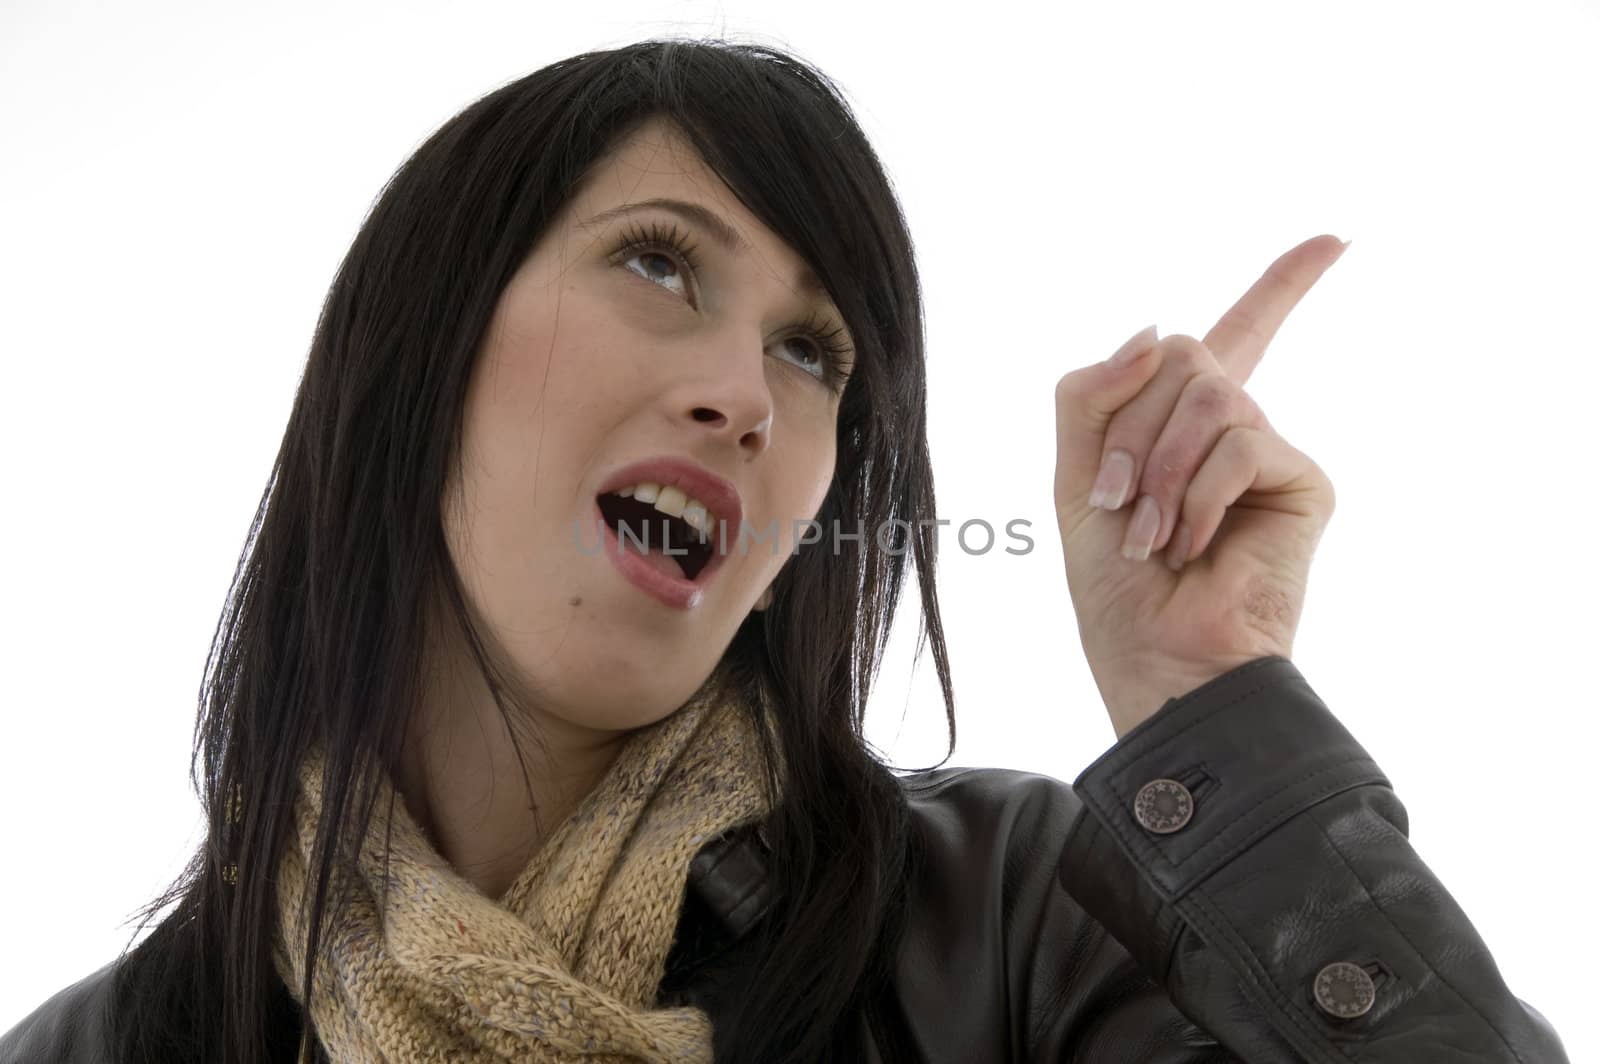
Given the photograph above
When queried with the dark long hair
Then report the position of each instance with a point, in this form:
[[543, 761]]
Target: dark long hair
[[346, 562]]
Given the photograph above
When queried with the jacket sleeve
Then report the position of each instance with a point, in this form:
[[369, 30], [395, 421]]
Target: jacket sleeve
[[1254, 862]]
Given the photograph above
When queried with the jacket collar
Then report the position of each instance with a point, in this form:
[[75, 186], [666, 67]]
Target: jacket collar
[[730, 875]]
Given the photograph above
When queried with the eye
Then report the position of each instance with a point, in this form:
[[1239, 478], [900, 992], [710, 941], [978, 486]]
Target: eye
[[666, 249], [816, 363], [659, 276], [828, 350]]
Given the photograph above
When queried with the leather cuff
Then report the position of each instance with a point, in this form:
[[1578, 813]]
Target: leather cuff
[[1211, 772]]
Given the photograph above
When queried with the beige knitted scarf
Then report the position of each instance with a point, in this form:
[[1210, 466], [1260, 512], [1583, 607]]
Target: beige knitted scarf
[[565, 967]]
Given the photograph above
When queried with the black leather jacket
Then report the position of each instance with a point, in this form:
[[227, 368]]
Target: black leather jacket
[[1231, 881]]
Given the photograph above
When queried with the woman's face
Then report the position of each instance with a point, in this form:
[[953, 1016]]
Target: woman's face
[[601, 356]]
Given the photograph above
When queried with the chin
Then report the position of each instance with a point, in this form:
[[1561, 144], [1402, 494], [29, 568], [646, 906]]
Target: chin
[[622, 698], [621, 711]]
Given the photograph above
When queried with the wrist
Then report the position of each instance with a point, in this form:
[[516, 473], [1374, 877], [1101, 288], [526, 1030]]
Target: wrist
[[1134, 697]]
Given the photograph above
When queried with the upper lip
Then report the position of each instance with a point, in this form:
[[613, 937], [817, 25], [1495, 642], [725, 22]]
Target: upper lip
[[720, 497]]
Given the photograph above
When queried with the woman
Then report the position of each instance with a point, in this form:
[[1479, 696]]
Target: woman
[[492, 774]]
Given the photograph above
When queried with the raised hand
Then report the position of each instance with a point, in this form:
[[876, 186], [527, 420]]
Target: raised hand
[[1162, 457]]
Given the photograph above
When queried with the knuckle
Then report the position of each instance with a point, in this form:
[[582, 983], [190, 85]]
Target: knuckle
[[1247, 411], [1187, 353], [1211, 396], [1067, 386], [1247, 440], [1325, 482], [1238, 443]]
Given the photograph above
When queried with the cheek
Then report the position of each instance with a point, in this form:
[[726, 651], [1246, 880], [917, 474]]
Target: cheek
[[805, 479], [521, 351], [529, 425], [544, 383], [810, 472], [824, 453], [822, 479]]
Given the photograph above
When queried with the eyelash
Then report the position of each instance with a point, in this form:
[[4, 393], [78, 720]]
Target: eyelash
[[815, 327]]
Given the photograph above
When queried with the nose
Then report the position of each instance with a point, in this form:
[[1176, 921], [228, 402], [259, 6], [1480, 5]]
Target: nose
[[743, 422], [734, 403]]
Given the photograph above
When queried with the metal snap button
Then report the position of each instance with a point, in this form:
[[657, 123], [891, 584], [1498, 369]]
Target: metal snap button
[[1344, 990], [1163, 806]]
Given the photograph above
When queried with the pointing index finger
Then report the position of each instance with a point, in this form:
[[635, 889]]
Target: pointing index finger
[[1240, 337]]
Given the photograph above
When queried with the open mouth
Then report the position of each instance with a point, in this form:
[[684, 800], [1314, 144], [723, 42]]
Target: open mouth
[[642, 528]]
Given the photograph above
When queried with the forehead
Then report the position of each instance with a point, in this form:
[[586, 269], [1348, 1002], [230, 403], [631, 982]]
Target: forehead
[[658, 146], [657, 155]]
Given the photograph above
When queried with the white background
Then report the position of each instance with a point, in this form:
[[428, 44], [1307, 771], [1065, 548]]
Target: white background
[[180, 180]]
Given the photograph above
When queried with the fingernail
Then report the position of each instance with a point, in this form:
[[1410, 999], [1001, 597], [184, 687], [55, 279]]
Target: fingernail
[[1134, 347], [1178, 549], [1115, 478], [1142, 530]]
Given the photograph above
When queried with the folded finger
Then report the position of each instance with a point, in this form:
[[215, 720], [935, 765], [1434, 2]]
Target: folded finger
[[1245, 459], [1133, 430], [1209, 405]]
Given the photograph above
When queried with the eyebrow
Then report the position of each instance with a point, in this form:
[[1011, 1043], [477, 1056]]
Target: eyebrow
[[709, 220]]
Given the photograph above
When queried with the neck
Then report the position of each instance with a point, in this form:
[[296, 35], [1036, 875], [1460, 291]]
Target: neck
[[464, 784]]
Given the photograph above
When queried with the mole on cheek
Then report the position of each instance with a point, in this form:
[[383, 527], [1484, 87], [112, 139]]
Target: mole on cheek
[[576, 600]]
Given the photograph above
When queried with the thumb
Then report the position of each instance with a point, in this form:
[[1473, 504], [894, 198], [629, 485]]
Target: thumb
[[1086, 401]]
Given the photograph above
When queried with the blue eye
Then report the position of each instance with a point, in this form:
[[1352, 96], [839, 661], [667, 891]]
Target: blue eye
[[659, 242], [658, 256], [827, 343], [829, 351]]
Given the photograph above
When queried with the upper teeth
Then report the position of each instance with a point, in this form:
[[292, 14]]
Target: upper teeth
[[674, 502]]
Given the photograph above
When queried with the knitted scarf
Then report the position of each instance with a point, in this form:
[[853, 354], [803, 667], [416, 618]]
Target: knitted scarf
[[566, 965]]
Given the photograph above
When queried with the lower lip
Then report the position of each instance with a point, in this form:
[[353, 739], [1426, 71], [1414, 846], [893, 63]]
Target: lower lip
[[671, 591]]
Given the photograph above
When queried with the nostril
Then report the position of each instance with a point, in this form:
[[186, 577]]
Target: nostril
[[705, 413]]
